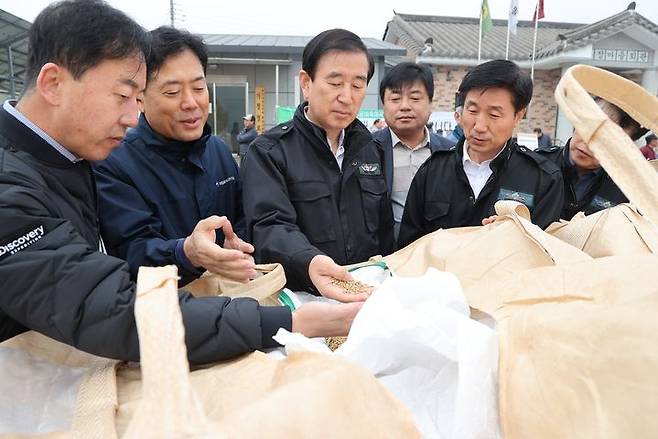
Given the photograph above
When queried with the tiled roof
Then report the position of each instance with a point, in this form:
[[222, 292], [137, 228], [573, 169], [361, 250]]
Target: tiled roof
[[285, 44], [598, 31], [457, 37]]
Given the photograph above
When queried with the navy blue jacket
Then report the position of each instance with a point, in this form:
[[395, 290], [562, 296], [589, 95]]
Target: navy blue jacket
[[153, 191], [437, 143]]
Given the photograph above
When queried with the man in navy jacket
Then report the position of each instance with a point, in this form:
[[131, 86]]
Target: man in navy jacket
[[171, 181]]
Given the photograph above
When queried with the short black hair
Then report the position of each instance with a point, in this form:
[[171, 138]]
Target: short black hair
[[459, 101], [537, 130], [167, 41], [334, 40], [650, 138], [621, 118], [80, 34], [404, 75], [500, 73]]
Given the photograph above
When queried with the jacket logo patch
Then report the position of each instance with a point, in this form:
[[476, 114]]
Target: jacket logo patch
[[223, 182], [22, 242], [600, 203], [521, 197], [370, 169]]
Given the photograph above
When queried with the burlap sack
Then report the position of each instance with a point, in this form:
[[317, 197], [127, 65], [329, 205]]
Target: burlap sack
[[615, 151], [485, 254], [619, 230], [306, 395], [264, 288], [578, 351]]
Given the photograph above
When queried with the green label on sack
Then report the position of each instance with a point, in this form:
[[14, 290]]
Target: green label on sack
[[521, 197], [370, 169]]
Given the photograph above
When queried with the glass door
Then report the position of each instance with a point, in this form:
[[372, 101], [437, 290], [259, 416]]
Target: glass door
[[228, 103]]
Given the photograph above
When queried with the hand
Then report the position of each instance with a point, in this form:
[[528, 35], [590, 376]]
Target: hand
[[322, 270], [489, 220], [234, 262], [317, 319], [233, 241]]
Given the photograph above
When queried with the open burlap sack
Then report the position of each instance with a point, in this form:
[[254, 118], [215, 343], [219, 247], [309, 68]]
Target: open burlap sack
[[487, 253], [578, 351], [306, 395], [264, 288], [619, 230]]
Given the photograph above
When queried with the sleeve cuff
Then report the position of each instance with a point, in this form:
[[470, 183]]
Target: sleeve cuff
[[299, 263], [271, 319], [182, 260]]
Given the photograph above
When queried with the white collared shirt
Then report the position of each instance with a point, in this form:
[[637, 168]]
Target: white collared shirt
[[477, 173], [8, 106], [340, 151]]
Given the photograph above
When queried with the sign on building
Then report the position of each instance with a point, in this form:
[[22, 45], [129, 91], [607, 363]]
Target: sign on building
[[259, 104], [622, 55]]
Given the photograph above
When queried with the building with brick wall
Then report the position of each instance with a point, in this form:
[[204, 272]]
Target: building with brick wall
[[626, 44]]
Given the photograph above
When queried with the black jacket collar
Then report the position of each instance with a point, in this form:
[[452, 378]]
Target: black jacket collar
[[356, 134], [21, 137], [499, 163]]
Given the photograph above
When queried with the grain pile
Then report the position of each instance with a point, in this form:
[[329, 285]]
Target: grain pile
[[350, 287]]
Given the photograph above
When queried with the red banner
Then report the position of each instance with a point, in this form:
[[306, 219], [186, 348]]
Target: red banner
[[540, 6]]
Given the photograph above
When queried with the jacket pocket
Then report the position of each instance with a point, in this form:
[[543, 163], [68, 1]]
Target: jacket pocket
[[435, 211], [312, 202], [373, 197]]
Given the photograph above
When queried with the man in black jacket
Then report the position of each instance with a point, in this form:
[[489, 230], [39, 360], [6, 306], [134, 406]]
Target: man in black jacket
[[82, 85], [460, 187], [161, 189], [314, 188], [406, 92], [587, 187]]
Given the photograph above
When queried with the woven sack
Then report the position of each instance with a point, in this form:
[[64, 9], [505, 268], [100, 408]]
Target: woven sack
[[264, 288], [478, 255], [253, 396], [578, 351]]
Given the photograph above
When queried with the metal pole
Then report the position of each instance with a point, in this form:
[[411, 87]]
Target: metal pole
[[246, 98], [534, 43], [171, 12], [12, 85], [276, 88], [214, 108], [480, 35], [507, 45], [532, 64]]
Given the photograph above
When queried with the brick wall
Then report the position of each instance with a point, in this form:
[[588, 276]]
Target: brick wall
[[543, 108]]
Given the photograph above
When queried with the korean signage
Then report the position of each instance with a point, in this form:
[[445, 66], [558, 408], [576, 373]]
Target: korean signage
[[259, 112], [622, 55]]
